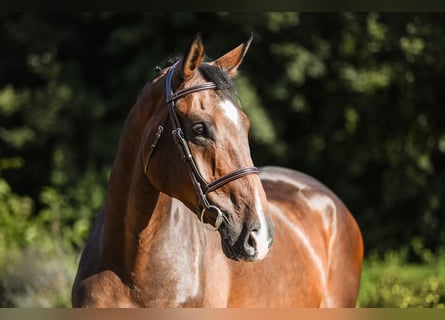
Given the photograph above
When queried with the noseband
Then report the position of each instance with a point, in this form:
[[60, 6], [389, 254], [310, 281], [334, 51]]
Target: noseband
[[201, 186]]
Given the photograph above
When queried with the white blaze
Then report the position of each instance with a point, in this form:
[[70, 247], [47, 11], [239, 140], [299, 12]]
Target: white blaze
[[261, 236], [231, 112]]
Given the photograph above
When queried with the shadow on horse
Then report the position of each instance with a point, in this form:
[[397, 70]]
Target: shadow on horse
[[190, 222]]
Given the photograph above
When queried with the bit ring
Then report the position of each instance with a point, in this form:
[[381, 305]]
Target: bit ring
[[218, 220]]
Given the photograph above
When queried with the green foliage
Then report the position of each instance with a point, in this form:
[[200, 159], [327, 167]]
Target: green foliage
[[38, 277], [391, 282], [15, 223], [36, 270]]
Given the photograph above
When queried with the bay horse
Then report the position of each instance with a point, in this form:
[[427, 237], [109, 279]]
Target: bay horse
[[167, 237]]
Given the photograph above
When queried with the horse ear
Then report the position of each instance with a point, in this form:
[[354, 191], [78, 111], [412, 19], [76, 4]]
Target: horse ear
[[193, 58], [232, 59]]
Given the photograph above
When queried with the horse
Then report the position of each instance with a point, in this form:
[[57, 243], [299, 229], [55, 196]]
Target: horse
[[251, 237]]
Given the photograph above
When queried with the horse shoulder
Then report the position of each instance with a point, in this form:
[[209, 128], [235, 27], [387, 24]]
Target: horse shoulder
[[102, 290], [93, 287]]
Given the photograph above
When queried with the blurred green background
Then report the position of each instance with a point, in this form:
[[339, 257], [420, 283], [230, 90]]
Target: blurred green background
[[354, 99]]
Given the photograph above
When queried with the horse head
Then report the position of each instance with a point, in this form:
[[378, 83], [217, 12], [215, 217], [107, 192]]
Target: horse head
[[206, 163]]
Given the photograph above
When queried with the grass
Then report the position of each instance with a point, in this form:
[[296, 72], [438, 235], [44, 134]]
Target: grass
[[390, 282]]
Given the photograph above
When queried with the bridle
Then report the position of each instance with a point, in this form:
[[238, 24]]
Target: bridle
[[201, 186]]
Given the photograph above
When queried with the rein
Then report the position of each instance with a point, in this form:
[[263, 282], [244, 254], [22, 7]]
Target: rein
[[201, 186]]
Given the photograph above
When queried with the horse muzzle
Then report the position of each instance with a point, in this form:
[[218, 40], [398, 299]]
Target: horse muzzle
[[252, 243]]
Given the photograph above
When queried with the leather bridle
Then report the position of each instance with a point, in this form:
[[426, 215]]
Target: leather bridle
[[201, 186]]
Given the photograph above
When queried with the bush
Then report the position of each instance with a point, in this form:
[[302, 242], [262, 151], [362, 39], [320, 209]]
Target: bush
[[38, 278], [36, 268], [17, 227], [391, 282]]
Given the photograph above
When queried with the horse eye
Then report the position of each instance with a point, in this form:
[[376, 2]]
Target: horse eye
[[199, 129]]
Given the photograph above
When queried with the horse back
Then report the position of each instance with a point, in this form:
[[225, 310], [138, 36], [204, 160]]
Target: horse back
[[317, 241]]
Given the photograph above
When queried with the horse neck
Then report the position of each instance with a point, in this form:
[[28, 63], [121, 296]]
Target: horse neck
[[130, 198], [137, 216]]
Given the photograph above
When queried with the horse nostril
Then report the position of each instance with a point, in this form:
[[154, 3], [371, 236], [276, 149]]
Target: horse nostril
[[251, 243]]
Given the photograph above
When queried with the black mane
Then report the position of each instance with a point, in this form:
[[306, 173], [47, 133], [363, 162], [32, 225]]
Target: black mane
[[211, 73], [221, 79]]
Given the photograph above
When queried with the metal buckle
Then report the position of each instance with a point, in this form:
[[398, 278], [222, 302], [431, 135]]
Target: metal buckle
[[218, 220]]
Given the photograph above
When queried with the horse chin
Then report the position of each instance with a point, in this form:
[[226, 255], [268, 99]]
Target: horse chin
[[231, 253], [239, 256]]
